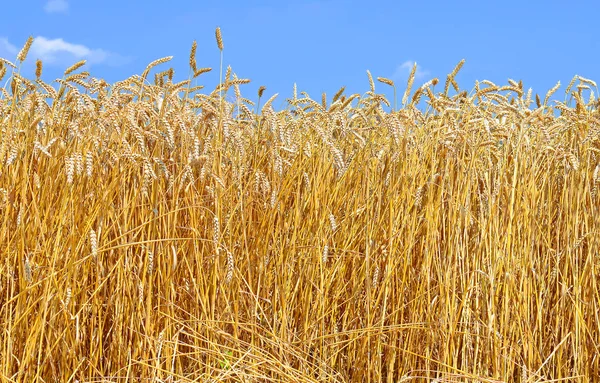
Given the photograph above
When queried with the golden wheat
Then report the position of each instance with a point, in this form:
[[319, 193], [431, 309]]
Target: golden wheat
[[22, 55], [219, 38], [74, 67], [158, 234], [193, 57]]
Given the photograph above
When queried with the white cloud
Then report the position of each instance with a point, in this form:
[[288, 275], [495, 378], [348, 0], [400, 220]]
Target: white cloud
[[7, 50], [52, 50], [403, 71], [56, 6], [61, 53]]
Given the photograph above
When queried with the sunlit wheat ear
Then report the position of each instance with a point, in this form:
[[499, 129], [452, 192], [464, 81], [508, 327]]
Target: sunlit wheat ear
[[38, 69], [193, 57], [22, 55], [140, 293], [450, 78], [573, 161], [384, 81], [74, 67], [332, 222], [230, 266], [338, 94], [273, 198], [94, 243], [159, 345], [524, 373], [419, 197], [28, 276], [14, 153], [550, 93], [577, 244], [219, 38], [70, 169], [216, 231], [386, 181], [78, 158], [264, 183], [201, 71], [67, 299], [89, 164], [306, 181], [19, 216], [411, 79], [150, 262], [2, 70], [228, 74], [595, 180], [278, 164], [325, 255], [307, 150], [4, 63], [375, 281], [371, 83]]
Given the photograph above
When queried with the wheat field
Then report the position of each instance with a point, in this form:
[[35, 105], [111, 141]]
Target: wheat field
[[152, 232]]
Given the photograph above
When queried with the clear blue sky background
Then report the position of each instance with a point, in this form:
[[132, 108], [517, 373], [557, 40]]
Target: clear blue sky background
[[320, 45]]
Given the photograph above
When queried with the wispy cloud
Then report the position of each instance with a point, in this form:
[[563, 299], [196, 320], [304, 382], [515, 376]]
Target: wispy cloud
[[60, 52], [51, 50], [56, 6], [403, 71], [7, 50]]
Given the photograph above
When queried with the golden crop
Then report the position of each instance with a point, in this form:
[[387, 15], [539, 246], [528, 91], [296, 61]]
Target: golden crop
[[149, 231]]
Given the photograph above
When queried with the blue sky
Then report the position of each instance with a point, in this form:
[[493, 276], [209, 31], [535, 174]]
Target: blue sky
[[320, 45]]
